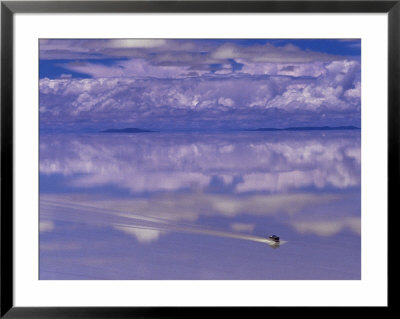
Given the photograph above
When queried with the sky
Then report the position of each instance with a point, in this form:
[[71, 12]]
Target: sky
[[198, 84]]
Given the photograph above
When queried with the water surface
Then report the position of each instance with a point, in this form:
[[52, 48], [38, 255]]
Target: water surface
[[199, 205]]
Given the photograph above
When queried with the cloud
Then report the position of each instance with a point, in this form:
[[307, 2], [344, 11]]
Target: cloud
[[256, 162], [46, 226], [239, 101], [176, 64], [143, 235], [335, 89], [148, 219], [132, 57], [268, 53], [196, 84], [174, 51], [65, 76], [310, 69], [181, 178], [225, 101], [329, 227], [172, 208], [135, 43], [130, 68]]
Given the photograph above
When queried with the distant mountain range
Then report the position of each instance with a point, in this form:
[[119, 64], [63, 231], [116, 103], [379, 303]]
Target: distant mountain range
[[127, 130], [309, 128]]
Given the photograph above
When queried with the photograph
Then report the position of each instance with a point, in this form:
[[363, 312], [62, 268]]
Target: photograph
[[199, 159]]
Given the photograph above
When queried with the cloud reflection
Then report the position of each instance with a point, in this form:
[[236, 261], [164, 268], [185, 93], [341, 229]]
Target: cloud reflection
[[143, 228], [173, 162], [181, 181], [46, 226], [147, 219], [329, 227], [143, 235]]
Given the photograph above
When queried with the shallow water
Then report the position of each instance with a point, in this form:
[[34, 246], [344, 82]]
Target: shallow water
[[200, 205]]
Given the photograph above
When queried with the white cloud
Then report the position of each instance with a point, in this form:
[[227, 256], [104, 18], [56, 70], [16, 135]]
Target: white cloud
[[46, 226], [226, 101], [237, 101], [354, 92], [143, 235], [329, 227], [267, 53], [135, 43]]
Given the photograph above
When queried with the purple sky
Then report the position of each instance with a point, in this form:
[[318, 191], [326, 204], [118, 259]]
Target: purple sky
[[198, 84]]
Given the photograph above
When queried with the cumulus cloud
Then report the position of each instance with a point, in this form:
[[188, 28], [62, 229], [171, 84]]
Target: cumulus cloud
[[196, 84], [310, 69], [234, 102], [334, 90]]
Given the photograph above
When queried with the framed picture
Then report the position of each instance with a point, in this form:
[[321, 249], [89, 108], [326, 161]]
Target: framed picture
[[163, 155]]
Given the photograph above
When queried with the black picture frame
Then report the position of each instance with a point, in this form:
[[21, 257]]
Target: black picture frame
[[9, 8]]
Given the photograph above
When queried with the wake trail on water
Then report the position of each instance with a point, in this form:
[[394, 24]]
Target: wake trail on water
[[90, 214]]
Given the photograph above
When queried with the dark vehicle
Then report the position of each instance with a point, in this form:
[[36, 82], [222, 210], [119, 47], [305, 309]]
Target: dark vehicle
[[274, 238]]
